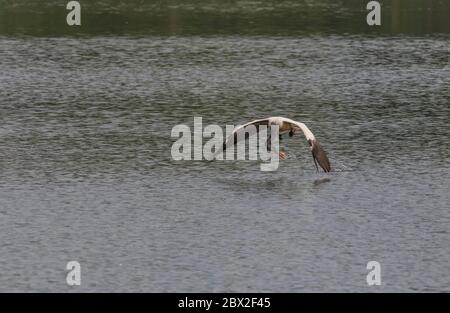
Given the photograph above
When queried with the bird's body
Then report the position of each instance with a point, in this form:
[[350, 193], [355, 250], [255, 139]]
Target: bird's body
[[290, 126]]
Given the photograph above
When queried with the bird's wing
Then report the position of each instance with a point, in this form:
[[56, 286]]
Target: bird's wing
[[320, 156], [234, 138], [318, 153]]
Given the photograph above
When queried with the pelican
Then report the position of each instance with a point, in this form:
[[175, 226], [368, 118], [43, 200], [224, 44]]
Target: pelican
[[292, 127]]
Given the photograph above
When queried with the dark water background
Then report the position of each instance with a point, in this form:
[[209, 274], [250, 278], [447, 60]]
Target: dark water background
[[217, 17], [85, 166]]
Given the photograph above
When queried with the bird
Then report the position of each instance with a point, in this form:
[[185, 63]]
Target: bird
[[289, 126]]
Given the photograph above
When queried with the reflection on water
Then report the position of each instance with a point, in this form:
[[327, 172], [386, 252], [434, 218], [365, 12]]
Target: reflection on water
[[86, 173], [216, 17]]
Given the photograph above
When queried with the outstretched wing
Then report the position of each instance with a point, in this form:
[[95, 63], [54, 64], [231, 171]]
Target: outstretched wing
[[233, 138], [320, 156], [318, 153]]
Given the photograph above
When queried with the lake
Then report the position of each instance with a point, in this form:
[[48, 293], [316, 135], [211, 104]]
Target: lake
[[86, 172]]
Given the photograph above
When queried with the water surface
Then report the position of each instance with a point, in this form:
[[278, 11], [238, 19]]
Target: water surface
[[86, 172]]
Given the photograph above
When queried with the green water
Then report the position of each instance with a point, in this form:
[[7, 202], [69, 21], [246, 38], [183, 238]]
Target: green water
[[284, 18]]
